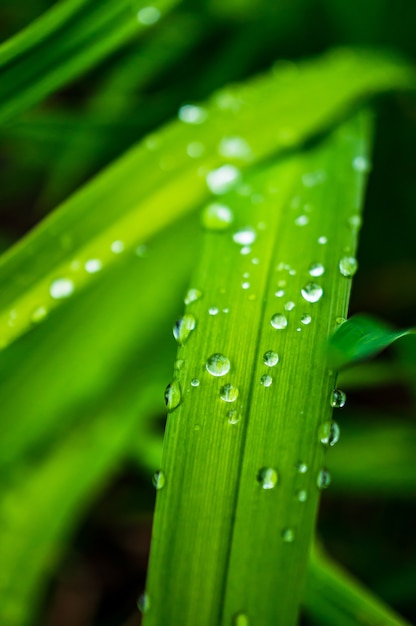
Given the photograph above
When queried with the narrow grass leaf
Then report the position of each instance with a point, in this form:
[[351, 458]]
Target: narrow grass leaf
[[334, 597], [244, 455], [361, 337], [177, 169]]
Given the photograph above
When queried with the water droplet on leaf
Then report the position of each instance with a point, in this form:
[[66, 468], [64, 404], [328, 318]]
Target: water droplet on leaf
[[270, 358], [218, 364], [338, 399], [266, 380], [192, 114], [329, 433], [192, 295], [245, 236], [316, 269], [312, 292], [229, 393], [173, 395], [267, 477], [223, 179], [61, 288], [148, 15], [217, 217], [288, 535], [348, 266], [183, 328], [306, 319], [323, 479], [93, 265], [158, 480], [143, 603], [278, 321]]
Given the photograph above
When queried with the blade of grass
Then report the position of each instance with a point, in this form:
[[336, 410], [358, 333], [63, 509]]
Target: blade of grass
[[234, 520], [334, 597], [114, 212]]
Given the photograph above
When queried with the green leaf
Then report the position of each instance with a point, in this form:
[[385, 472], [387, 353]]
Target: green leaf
[[163, 178], [361, 337], [243, 460], [334, 597]]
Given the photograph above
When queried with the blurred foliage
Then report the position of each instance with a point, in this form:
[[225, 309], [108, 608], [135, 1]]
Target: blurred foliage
[[62, 140]]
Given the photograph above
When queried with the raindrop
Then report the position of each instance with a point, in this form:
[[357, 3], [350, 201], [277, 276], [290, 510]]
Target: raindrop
[[355, 221], [93, 265], [218, 364], [240, 619], [179, 363], [158, 480], [173, 395], [245, 285], [195, 382], [39, 314], [329, 433], [192, 296], [217, 216], [213, 310], [191, 114], [61, 288], [306, 319], [267, 477], [195, 149], [323, 479], [270, 358], [288, 535], [143, 603], [245, 250], [301, 467], [245, 236], [348, 266], [312, 292], [322, 240], [278, 321], [229, 393], [233, 416], [340, 320], [117, 246], [266, 380], [302, 220], [289, 306], [301, 495], [338, 399], [316, 269], [280, 293], [183, 328], [222, 179], [361, 164], [148, 16], [234, 147]]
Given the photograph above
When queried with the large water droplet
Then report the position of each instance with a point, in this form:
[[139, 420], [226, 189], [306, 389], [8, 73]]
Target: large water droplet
[[218, 364], [316, 269], [329, 433], [183, 328], [192, 114], [173, 395], [158, 480], [234, 148], [323, 479], [268, 477], [278, 321], [266, 380], [143, 603], [217, 216], [229, 393], [338, 399], [312, 292], [348, 266], [245, 236], [61, 288], [270, 358], [288, 535], [192, 295], [223, 179]]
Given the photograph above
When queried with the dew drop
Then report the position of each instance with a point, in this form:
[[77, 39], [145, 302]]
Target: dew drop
[[234, 148], [213, 310], [245, 236], [179, 363], [240, 619], [361, 164], [306, 319], [301, 495], [316, 269], [93, 265], [280, 293], [312, 292], [355, 221], [229, 393], [302, 220], [148, 16], [158, 480], [323, 240], [267, 477], [222, 179], [266, 380], [192, 114], [39, 314], [173, 395], [183, 328], [217, 217], [288, 535], [278, 321], [270, 358], [218, 364], [195, 382], [245, 285], [117, 246], [233, 416], [143, 603], [301, 467], [340, 320], [338, 399], [323, 479], [192, 295], [289, 306], [329, 433], [348, 266], [61, 288]]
